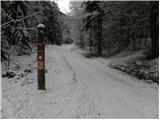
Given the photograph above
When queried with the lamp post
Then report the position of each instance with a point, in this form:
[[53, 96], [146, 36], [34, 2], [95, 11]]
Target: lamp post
[[41, 58]]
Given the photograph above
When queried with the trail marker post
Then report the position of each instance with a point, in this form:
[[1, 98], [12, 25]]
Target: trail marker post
[[41, 58]]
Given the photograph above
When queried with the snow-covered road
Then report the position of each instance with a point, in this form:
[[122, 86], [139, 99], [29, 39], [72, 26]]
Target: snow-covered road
[[76, 87], [114, 94]]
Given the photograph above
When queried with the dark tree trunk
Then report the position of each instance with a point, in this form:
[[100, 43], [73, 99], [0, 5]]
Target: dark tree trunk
[[100, 35], [90, 40], [134, 41], [3, 56], [108, 47], [82, 41], [145, 42], [154, 28], [140, 43]]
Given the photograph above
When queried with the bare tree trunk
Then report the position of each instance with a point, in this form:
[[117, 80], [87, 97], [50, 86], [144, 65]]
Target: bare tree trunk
[[81, 40], [134, 41], [9, 52], [8, 65], [100, 35], [140, 43], [145, 42], [108, 47], [154, 28], [90, 40]]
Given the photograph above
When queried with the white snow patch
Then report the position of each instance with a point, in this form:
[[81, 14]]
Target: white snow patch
[[65, 96], [76, 87]]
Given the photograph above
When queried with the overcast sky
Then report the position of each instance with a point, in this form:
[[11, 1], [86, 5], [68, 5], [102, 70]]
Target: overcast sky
[[63, 5]]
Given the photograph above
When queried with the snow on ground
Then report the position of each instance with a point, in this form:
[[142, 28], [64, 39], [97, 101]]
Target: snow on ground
[[115, 94], [77, 87], [65, 97], [133, 63]]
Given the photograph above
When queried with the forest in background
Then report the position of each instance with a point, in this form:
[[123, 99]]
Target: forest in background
[[101, 27], [112, 26], [18, 25]]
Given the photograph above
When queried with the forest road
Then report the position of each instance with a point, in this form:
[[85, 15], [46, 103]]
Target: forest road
[[114, 94]]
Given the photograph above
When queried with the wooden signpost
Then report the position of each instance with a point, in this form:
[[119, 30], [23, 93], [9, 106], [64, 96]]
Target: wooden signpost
[[41, 58]]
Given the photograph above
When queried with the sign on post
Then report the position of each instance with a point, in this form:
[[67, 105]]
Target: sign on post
[[41, 58]]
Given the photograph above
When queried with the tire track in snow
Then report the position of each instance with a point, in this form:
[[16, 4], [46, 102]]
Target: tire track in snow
[[81, 100]]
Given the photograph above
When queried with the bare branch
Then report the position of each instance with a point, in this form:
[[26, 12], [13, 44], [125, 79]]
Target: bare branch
[[7, 14], [31, 28], [20, 19], [6, 23]]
